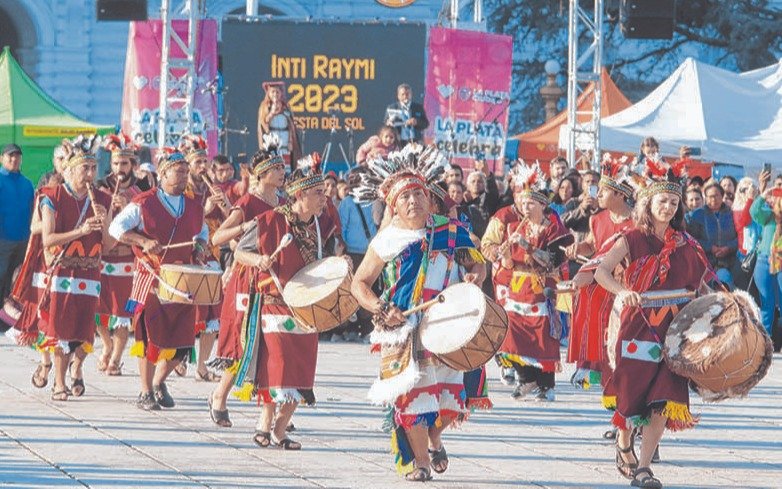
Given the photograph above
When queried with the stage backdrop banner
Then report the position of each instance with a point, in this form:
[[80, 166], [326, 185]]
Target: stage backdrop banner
[[338, 76], [467, 94], [141, 94]]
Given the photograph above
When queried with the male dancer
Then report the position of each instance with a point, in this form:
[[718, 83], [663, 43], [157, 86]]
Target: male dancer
[[158, 217], [112, 320]]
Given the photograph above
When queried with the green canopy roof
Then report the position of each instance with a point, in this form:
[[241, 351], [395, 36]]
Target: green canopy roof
[[32, 119]]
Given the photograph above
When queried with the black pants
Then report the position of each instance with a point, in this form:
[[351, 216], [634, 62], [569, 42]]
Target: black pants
[[544, 380], [11, 256]]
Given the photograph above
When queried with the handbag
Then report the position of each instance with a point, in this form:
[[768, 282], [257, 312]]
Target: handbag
[[748, 263]]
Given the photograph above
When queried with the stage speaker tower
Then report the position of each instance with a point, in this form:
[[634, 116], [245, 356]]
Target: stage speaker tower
[[647, 19]]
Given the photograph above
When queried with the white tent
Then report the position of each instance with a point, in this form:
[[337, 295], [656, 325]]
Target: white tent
[[733, 118]]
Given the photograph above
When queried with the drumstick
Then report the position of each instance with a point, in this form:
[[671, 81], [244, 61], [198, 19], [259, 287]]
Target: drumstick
[[661, 295], [579, 258], [425, 305], [177, 245], [285, 241]]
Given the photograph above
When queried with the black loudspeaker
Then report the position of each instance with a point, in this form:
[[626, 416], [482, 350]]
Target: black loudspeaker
[[121, 9], [647, 19]]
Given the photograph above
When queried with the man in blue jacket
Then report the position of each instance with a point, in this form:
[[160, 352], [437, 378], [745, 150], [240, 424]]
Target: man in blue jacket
[[712, 225], [16, 210]]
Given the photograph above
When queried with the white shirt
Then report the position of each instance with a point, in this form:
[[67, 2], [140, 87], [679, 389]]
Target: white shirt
[[130, 217]]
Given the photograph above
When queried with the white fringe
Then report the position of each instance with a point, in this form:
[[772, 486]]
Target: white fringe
[[386, 391], [391, 337]]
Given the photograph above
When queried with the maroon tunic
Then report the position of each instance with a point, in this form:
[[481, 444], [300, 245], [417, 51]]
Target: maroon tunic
[[236, 297], [74, 282], [288, 354], [641, 378], [116, 274], [533, 329], [168, 325]]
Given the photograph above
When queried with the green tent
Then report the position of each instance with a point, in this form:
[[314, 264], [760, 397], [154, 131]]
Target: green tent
[[33, 120]]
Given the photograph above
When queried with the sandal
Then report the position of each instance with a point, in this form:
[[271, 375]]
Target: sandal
[[610, 434], [287, 444], [220, 417], [290, 428], [41, 375], [103, 363], [626, 468], [114, 369], [419, 474], [209, 376], [77, 387], [439, 460], [60, 395], [181, 369], [262, 438], [647, 481]]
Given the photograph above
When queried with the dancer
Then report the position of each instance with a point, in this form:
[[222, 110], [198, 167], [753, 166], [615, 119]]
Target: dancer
[[216, 208], [282, 369], [74, 222], [419, 254], [268, 176], [164, 333], [112, 320], [662, 257]]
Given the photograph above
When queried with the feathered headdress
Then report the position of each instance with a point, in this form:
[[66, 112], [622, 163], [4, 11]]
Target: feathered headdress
[[192, 147], [168, 156], [81, 149], [120, 145], [413, 166], [267, 157], [306, 175], [661, 177], [617, 174], [530, 180]]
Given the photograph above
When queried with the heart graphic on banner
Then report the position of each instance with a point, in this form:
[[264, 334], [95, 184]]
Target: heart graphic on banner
[[140, 82], [445, 90]]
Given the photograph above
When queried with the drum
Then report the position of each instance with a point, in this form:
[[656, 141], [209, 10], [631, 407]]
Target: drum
[[718, 342], [319, 294], [466, 329], [190, 284]]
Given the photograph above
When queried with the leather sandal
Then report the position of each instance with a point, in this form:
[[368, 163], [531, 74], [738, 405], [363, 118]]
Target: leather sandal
[[262, 438], [40, 377], [626, 468], [103, 363], [287, 444], [209, 376], [220, 417], [114, 369], [439, 459], [77, 387], [181, 369], [419, 474], [60, 395], [643, 477]]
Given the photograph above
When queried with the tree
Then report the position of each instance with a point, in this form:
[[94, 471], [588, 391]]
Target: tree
[[737, 35]]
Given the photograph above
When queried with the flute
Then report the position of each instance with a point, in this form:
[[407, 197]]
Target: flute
[[224, 206], [93, 203]]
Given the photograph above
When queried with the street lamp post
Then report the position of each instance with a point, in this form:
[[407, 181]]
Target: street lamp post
[[551, 92]]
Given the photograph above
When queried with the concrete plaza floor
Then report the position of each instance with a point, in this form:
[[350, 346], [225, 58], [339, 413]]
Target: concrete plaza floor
[[103, 440]]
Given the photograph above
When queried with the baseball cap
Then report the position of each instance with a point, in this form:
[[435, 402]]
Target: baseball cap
[[11, 149]]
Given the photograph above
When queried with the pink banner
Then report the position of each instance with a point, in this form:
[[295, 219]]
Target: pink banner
[[467, 94], [141, 95]]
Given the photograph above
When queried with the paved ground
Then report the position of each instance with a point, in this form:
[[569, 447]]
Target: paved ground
[[103, 440]]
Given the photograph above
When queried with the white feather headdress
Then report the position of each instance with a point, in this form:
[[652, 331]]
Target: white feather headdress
[[425, 164]]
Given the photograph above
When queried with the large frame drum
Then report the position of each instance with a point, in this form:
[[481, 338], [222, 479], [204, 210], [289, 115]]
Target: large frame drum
[[466, 329], [196, 284], [718, 342], [319, 294]]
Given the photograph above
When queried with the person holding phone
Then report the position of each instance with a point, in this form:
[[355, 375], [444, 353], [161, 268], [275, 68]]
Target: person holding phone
[[766, 210]]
